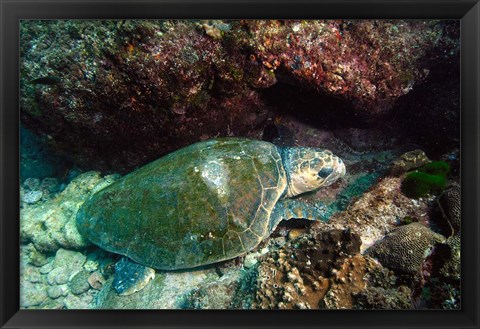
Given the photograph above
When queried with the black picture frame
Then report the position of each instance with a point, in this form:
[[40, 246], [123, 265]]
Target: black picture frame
[[467, 11]]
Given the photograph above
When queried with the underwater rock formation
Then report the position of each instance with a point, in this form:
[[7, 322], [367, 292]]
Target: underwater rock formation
[[384, 290], [450, 204], [60, 280], [408, 161], [202, 289], [378, 211], [324, 269], [118, 94], [406, 247], [297, 275], [51, 225]]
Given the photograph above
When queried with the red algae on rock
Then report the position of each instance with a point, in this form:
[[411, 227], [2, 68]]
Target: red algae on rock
[[118, 94]]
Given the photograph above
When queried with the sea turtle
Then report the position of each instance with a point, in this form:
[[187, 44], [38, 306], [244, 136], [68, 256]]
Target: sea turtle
[[205, 203]]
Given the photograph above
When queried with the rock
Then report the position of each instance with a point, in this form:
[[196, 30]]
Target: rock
[[449, 204], [32, 197], [56, 291], [31, 183], [83, 301], [59, 275], [251, 260], [168, 290], [46, 268], [50, 184], [406, 247], [90, 265], [452, 266], [218, 72], [31, 274], [378, 211], [38, 259], [408, 161], [298, 274], [32, 295], [295, 233], [234, 290], [51, 225], [73, 260], [96, 280], [79, 283]]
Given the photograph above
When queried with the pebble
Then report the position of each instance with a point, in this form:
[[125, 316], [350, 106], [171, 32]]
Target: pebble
[[31, 274], [46, 268], [32, 197], [96, 280], [79, 283], [31, 183], [32, 296], [91, 265], [37, 258], [79, 302], [74, 260], [251, 259], [58, 275], [295, 233], [55, 291], [50, 184]]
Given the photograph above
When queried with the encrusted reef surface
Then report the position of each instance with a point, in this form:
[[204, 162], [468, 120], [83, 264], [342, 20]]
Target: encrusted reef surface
[[382, 250], [382, 95], [117, 94]]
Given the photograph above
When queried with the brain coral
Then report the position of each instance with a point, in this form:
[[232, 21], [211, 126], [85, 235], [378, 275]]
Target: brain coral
[[449, 204], [405, 247]]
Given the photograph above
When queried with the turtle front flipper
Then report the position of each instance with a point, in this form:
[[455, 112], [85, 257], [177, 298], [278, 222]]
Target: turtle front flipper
[[289, 208], [131, 277]]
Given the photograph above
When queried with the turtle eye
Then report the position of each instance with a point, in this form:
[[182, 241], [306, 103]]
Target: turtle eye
[[325, 172]]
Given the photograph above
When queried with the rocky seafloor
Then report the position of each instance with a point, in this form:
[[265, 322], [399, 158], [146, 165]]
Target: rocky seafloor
[[101, 98]]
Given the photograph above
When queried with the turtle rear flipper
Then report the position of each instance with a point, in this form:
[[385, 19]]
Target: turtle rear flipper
[[131, 277]]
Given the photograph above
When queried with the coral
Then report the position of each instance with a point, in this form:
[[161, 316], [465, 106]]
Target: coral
[[382, 291], [418, 184], [406, 247], [51, 225], [452, 266], [378, 211], [449, 204], [128, 92], [437, 294], [348, 281], [79, 283], [408, 161], [297, 275]]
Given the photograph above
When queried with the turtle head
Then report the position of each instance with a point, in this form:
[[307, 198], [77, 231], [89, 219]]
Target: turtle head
[[310, 168]]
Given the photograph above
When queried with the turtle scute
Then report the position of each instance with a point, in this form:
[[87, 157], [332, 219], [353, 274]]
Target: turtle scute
[[208, 202]]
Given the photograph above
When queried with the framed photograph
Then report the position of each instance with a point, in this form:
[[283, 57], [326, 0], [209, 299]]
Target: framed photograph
[[239, 164]]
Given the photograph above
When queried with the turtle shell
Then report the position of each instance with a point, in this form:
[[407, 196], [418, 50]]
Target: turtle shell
[[208, 202]]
